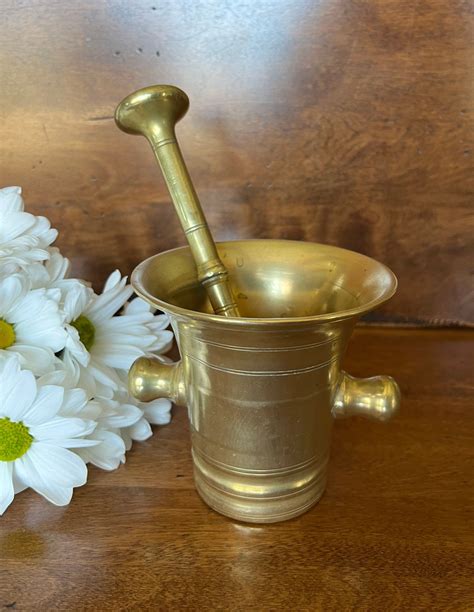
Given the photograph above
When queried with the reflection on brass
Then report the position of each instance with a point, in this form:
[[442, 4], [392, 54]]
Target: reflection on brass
[[154, 112], [262, 390], [150, 378], [377, 397]]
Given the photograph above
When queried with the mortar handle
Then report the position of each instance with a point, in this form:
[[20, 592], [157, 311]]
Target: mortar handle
[[150, 378], [377, 398]]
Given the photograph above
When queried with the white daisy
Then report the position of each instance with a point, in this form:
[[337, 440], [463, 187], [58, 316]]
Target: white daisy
[[157, 324], [34, 440], [109, 449], [156, 412], [111, 416], [106, 343], [31, 325], [24, 238], [53, 272]]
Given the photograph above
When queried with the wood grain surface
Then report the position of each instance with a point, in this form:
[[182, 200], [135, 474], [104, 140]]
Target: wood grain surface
[[343, 121], [394, 530]]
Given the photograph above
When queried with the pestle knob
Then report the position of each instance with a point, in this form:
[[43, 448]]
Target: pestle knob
[[155, 109]]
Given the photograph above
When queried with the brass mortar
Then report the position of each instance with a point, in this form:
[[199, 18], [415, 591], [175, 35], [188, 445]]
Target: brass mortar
[[262, 390]]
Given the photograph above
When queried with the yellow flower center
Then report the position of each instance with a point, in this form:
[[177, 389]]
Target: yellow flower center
[[86, 330], [7, 334], [15, 440]]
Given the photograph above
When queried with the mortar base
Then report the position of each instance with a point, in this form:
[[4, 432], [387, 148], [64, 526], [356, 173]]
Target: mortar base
[[260, 510]]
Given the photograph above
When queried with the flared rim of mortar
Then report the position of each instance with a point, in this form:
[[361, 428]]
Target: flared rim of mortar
[[178, 311]]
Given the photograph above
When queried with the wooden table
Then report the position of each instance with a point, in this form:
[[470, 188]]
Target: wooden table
[[394, 530]]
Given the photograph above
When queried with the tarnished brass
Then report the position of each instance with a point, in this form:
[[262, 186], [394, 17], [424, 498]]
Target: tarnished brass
[[153, 112], [262, 390]]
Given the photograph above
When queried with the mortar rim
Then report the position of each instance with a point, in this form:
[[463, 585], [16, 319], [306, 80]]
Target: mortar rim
[[330, 317]]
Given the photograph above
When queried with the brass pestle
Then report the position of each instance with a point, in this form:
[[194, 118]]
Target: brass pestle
[[153, 112]]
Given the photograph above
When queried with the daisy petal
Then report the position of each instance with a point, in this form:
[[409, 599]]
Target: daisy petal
[[18, 223], [39, 360], [56, 377], [46, 405], [45, 464], [108, 454], [76, 299], [6, 485], [52, 492], [108, 304], [11, 200], [131, 324], [73, 402], [43, 329], [58, 266], [158, 412], [119, 356], [103, 374], [128, 415], [75, 348], [159, 322], [59, 428], [76, 442], [127, 438], [72, 370], [29, 308], [18, 485], [141, 430], [114, 279], [91, 410], [17, 391], [86, 381], [12, 289], [163, 342], [137, 305]]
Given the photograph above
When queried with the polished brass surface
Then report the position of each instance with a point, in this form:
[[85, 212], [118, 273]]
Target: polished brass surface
[[376, 398], [262, 390], [150, 378], [153, 112]]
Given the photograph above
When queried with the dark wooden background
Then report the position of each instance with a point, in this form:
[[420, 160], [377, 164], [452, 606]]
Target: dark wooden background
[[347, 122]]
